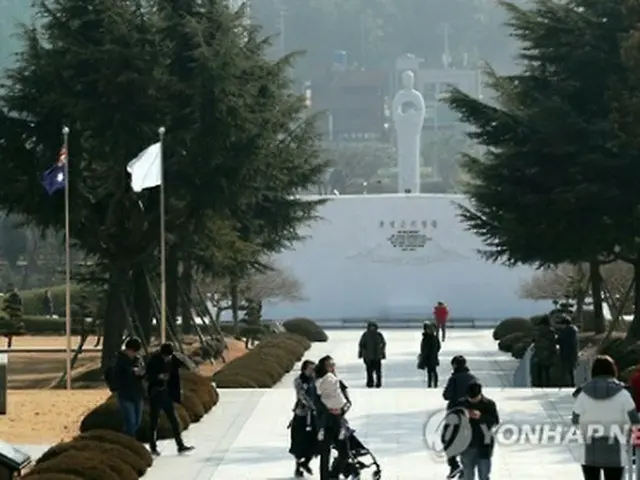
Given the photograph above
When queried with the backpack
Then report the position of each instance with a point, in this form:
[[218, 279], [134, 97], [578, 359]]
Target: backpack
[[110, 376]]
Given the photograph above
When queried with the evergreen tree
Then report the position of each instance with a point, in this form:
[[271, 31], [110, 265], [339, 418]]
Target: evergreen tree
[[238, 147], [552, 186]]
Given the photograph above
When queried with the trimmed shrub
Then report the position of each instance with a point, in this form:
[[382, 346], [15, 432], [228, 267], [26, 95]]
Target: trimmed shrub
[[107, 416], [232, 380], [519, 349], [265, 365], [89, 465], [306, 328], [507, 343], [201, 386], [118, 439], [137, 464], [192, 405], [513, 325], [51, 476]]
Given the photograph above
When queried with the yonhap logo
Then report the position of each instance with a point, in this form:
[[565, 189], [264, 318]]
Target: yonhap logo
[[447, 433]]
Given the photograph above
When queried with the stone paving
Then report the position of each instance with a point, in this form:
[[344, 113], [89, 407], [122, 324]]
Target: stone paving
[[245, 436]]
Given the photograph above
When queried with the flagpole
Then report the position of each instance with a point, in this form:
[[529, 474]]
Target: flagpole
[[163, 253], [67, 246]]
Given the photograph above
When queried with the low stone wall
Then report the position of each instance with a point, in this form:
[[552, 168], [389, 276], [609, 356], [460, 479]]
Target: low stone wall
[[407, 323]]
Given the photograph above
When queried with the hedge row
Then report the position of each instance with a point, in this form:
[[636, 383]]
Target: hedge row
[[32, 299], [264, 365], [301, 326], [94, 455], [39, 325]]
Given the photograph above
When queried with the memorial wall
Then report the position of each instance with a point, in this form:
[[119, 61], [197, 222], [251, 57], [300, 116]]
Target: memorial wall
[[393, 257]]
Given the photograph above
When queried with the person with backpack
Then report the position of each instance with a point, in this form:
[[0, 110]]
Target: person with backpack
[[429, 353], [456, 388], [441, 315], [163, 375], [124, 378]]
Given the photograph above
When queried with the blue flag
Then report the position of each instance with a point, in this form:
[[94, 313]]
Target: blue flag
[[54, 178]]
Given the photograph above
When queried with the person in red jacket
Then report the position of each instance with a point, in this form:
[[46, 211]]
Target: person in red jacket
[[441, 314], [634, 387]]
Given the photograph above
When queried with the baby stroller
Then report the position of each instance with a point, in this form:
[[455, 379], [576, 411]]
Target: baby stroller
[[353, 456], [355, 459]]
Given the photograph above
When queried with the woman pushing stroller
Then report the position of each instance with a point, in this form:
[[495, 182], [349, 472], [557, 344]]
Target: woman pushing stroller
[[333, 428]]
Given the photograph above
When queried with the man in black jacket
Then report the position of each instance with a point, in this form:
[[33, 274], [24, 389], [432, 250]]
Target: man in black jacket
[[128, 372], [163, 375], [568, 345], [372, 350], [456, 389], [482, 415]]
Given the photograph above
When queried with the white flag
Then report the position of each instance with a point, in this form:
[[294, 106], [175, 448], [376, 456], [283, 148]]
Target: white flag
[[146, 169]]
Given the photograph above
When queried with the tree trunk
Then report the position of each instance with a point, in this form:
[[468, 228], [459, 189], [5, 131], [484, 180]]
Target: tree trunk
[[595, 279], [634, 329], [172, 286], [114, 321], [142, 306], [235, 304], [186, 287]]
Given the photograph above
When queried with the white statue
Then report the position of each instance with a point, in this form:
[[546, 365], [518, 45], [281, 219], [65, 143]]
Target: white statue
[[408, 111]]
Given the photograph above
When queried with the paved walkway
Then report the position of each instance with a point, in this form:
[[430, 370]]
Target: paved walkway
[[245, 436]]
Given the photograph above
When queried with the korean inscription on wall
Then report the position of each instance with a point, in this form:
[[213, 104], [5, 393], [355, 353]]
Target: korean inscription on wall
[[409, 235]]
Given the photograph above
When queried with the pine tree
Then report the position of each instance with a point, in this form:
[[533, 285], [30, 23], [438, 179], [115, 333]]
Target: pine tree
[[555, 185]]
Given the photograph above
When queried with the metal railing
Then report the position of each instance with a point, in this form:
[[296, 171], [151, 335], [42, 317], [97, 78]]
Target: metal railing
[[522, 375]]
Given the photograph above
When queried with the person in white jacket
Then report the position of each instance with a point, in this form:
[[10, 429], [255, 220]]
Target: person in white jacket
[[604, 411], [332, 398]]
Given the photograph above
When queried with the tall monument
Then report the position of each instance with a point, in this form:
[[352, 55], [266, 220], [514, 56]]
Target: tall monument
[[408, 111]]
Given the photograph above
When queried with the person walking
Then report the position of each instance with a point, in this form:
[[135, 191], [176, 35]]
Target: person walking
[[126, 381], [441, 315], [604, 401], [304, 432], [429, 355], [482, 415], [372, 350], [544, 351], [47, 304], [456, 388], [334, 405], [163, 375], [568, 346]]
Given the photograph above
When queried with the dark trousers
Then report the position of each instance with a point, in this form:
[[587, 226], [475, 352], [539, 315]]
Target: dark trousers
[[453, 463], [610, 473], [568, 370], [131, 411], [332, 427], [441, 331], [161, 402], [374, 369], [432, 377], [544, 375]]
